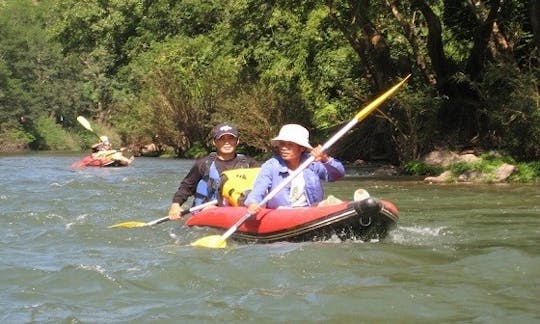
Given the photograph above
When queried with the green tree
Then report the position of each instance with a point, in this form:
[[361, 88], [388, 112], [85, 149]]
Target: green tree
[[36, 79], [313, 62], [183, 80]]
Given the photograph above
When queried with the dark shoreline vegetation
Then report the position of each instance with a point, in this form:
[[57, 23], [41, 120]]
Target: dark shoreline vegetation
[[484, 169], [155, 76]]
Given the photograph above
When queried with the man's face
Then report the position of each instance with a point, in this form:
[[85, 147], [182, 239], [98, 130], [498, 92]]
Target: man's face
[[226, 144], [290, 151]]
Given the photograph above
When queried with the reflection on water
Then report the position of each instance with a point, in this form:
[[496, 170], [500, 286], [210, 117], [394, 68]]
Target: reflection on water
[[461, 253]]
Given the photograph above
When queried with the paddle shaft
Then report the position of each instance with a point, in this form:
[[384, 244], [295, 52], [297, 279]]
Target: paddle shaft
[[132, 224], [359, 117], [86, 124], [184, 212]]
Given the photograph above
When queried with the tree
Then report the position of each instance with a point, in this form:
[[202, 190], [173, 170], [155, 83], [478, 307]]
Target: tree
[[312, 62], [36, 78]]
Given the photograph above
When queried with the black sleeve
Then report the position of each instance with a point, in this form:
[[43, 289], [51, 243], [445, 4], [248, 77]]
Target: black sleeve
[[189, 183], [252, 162], [233, 164]]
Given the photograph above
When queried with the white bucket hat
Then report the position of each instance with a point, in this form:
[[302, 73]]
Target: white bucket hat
[[104, 139], [293, 133]]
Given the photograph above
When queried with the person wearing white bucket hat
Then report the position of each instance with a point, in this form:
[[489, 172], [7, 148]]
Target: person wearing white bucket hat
[[104, 151], [103, 145], [293, 133], [293, 148]]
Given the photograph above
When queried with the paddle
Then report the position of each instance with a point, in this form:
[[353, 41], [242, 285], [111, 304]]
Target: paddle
[[86, 124], [132, 224], [217, 241]]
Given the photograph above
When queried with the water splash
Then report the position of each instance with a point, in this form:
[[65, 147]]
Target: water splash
[[417, 235]]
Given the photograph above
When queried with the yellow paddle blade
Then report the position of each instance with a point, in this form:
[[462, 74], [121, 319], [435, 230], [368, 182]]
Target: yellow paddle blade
[[379, 100], [212, 241], [128, 224], [85, 123]]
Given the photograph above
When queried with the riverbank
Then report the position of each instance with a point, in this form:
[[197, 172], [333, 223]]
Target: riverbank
[[439, 166], [445, 166]]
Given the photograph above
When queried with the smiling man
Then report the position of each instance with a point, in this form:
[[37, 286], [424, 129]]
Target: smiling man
[[203, 180]]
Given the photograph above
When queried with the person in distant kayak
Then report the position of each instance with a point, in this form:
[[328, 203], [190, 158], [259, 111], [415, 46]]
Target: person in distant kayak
[[293, 148], [103, 145], [103, 151], [203, 179]]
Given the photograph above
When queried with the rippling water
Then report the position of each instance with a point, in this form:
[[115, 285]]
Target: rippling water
[[460, 253]]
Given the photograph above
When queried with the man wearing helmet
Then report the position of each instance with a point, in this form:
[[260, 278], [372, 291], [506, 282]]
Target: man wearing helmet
[[204, 179]]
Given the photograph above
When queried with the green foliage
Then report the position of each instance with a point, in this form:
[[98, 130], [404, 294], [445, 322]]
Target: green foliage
[[51, 136], [15, 138], [462, 167], [197, 150], [183, 80], [419, 168], [18, 135], [512, 107], [266, 114], [35, 78], [527, 172], [486, 166], [482, 165], [413, 121], [168, 71]]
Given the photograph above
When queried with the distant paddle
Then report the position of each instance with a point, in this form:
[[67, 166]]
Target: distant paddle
[[217, 241], [132, 224], [86, 124]]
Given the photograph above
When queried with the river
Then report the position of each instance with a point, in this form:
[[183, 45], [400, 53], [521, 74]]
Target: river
[[460, 253]]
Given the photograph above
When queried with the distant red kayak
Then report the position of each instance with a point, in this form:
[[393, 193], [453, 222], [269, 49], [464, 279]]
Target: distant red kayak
[[365, 220], [89, 161]]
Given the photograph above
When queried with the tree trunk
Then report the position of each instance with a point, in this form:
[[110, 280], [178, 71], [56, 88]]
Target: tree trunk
[[434, 42], [410, 32], [535, 22], [366, 40], [479, 51]]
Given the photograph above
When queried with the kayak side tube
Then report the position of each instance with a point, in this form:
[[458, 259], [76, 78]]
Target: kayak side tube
[[369, 219]]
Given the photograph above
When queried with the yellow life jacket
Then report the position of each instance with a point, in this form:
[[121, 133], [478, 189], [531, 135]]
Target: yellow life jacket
[[236, 185]]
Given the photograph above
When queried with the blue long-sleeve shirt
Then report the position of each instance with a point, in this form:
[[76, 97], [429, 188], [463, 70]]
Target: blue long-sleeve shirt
[[275, 170]]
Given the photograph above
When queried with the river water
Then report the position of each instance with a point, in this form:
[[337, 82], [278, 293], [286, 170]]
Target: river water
[[460, 253]]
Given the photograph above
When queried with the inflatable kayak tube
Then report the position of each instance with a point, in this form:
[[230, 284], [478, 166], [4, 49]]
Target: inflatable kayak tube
[[365, 220], [90, 161]]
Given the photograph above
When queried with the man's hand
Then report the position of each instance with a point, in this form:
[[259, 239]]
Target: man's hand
[[175, 212], [319, 155], [253, 209]]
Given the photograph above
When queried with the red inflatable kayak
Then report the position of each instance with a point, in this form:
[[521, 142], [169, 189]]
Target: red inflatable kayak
[[89, 161], [365, 220]]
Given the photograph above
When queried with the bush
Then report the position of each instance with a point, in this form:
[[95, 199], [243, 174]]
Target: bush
[[51, 136], [15, 139], [483, 165], [419, 168], [527, 172], [197, 150], [512, 110]]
